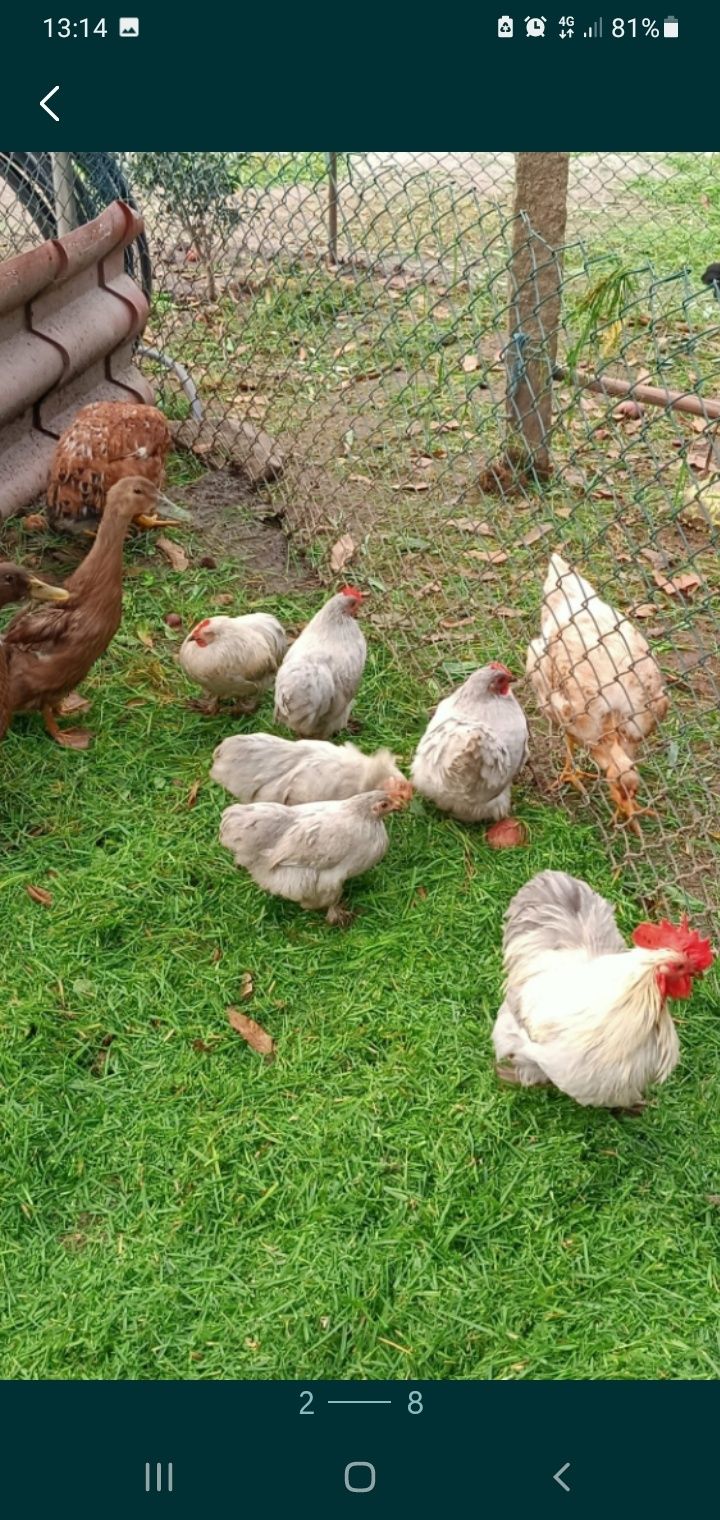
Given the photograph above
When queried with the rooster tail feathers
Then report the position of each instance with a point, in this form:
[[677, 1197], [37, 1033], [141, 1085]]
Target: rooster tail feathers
[[555, 911]]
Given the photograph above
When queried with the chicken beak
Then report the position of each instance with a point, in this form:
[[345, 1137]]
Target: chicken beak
[[39, 591]]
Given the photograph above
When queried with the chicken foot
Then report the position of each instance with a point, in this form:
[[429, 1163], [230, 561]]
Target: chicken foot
[[570, 772], [339, 916], [512, 1076], [69, 738], [627, 810], [209, 706]]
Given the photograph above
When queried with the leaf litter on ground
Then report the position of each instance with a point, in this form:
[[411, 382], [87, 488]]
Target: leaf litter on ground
[[252, 1033]]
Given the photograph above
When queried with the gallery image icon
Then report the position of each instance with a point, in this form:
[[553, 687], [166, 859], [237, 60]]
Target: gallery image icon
[[129, 26], [505, 26]]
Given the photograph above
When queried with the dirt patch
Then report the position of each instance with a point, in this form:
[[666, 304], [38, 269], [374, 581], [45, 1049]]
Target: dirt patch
[[236, 523]]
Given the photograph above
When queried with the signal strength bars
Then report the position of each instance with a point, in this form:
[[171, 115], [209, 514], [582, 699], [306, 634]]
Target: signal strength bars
[[595, 30]]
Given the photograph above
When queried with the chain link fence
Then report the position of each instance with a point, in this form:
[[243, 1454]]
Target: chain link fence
[[365, 312]]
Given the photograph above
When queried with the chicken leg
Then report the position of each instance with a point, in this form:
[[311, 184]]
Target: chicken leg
[[627, 810], [570, 772], [339, 916]]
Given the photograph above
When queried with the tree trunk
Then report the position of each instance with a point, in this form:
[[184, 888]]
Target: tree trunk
[[540, 212]]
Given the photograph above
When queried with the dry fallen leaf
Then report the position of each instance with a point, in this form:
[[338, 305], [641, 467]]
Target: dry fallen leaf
[[628, 410], [644, 610], [563, 512], [700, 456], [255, 1036], [223, 599], [100, 1062], [489, 556], [713, 1198], [508, 612], [192, 796], [146, 638], [456, 622], [575, 479], [202, 1047], [342, 553], [34, 523], [362, 479], [656, 557], [444, 427], [412, 485], [507, 834], [678, 585], [536, 533], [471, 525], [39, 895], [470, 362], [247, 985], [603, 494], [175, 556]]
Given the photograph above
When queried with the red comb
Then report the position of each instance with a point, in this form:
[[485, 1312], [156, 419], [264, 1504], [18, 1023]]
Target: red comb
[[498, 665], [666, 936], [352, 591]]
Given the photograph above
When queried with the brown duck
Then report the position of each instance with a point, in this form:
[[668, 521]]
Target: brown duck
[[16, 584], [51, 651]]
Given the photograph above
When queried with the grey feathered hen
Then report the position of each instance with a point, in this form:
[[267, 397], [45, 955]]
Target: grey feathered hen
[[473, 747], [307, 853], [316, 684], [263, 768]]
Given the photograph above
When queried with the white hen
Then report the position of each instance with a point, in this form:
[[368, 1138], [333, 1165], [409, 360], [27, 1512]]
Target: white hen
[[319, 677], [307, 853], [582, 1010], [262, 768], [234, 656]]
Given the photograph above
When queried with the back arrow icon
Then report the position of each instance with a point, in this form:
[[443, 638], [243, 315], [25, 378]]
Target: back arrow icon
[[557, 1477], [46, 98]]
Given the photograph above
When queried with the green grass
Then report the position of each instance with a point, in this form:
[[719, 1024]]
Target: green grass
[[171, 1206]]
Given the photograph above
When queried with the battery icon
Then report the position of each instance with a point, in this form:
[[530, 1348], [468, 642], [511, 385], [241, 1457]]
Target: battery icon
[[670, 26]]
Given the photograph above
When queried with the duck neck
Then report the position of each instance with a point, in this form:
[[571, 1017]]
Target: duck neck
[[106, 552]]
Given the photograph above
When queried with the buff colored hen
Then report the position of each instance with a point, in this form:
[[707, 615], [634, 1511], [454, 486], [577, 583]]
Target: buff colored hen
[[595, 677], [107, 441]]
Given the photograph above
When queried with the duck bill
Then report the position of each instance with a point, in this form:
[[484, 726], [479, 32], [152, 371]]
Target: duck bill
[[172, 509], [39, 591]]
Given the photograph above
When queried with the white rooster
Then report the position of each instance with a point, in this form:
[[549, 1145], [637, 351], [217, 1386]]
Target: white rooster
[[319, 677], [581, 1010], [307, 853], [234, 657], [262, 768], [473, 747]]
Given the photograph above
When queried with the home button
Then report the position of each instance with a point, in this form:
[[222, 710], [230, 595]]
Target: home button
[[360, 1477]]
